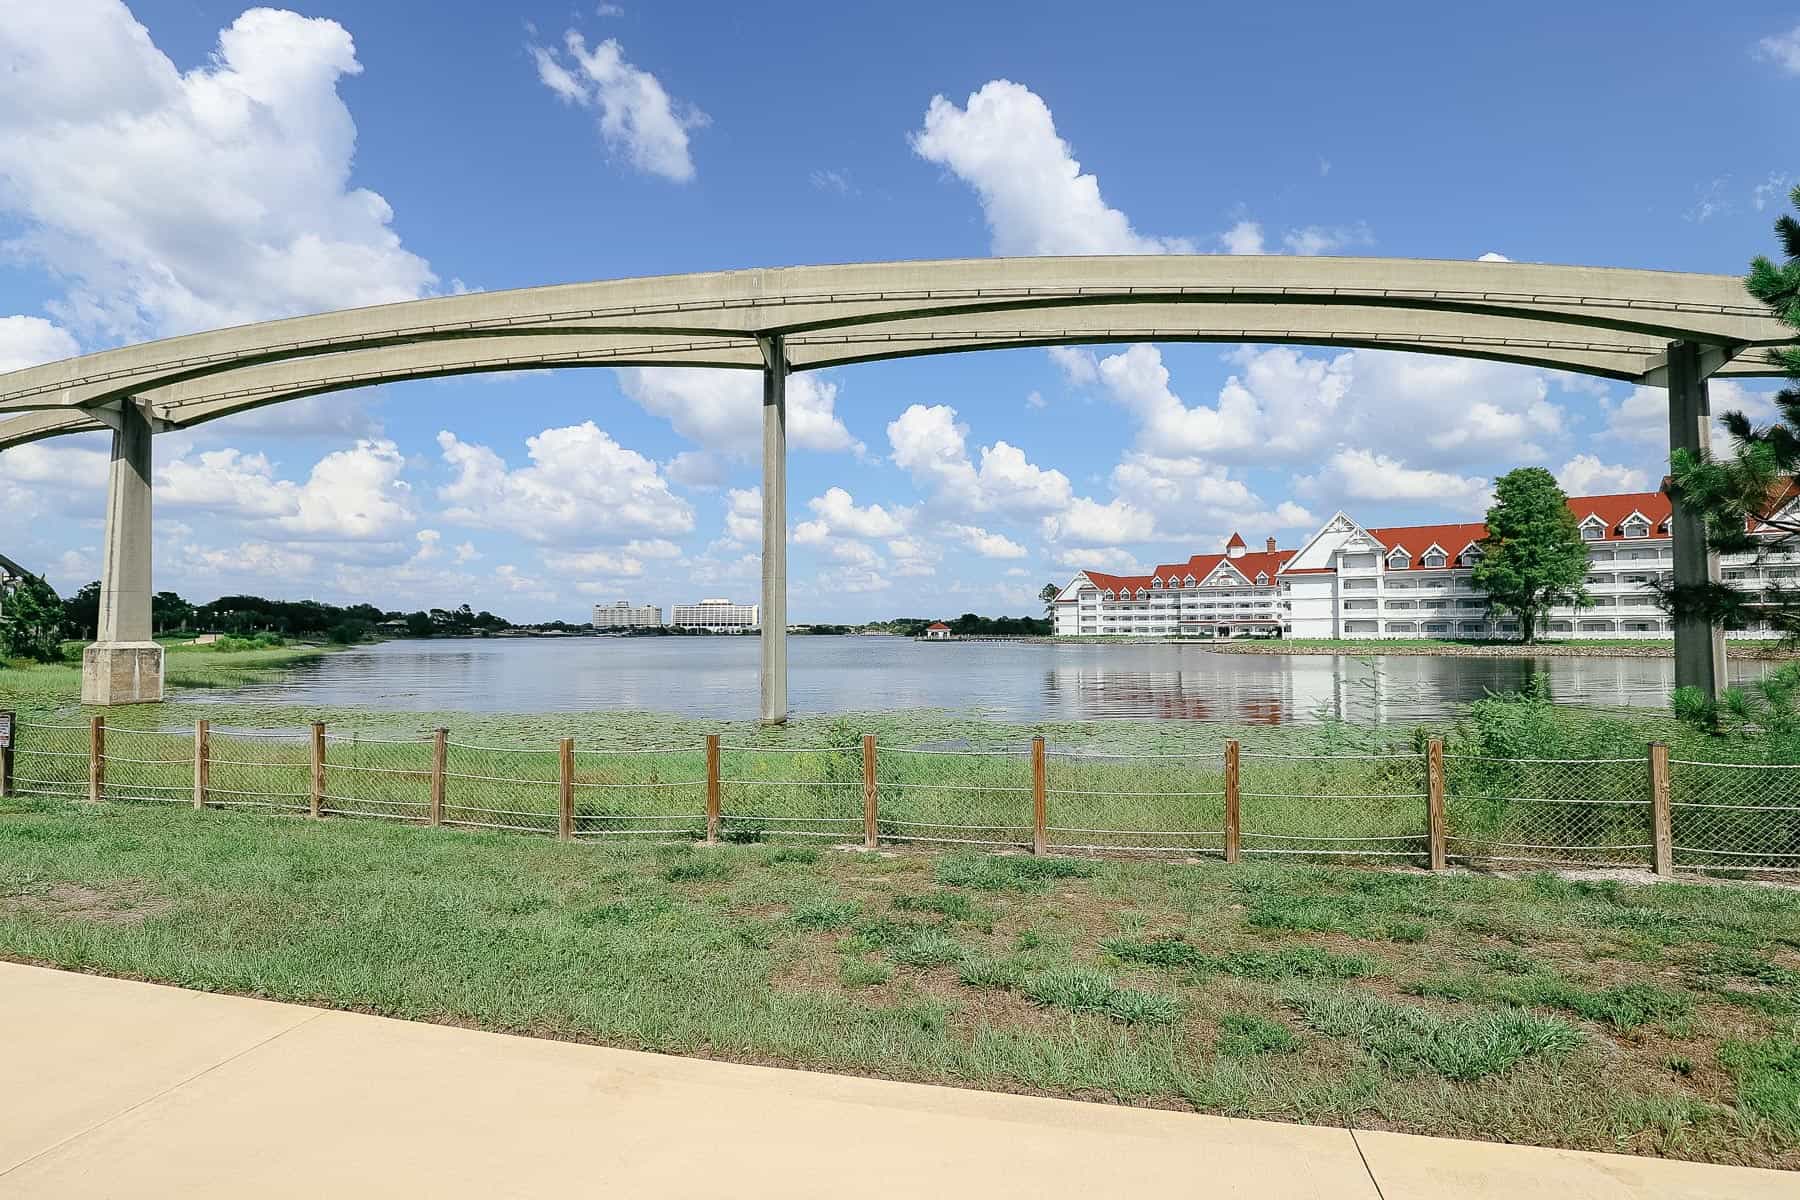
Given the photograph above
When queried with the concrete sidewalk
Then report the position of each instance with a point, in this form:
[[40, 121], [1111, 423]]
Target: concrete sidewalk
[[110, 1088]]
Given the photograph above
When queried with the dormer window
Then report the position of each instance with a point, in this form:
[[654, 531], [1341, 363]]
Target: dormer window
[[1143, 594], [1469, 557], [1593, 529], [1156, 584], [1262, 579], [1635, 527], [1434, 558], [1189, 581], [1399, 560], [1107, 594]]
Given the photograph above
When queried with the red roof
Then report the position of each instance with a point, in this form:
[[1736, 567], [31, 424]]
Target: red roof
[[1199, 566], [1236, 543], [937, 625], [1614, 511]]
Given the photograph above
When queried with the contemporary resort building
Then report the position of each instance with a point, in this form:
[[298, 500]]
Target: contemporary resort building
[[620, 614], [720, 616], [1411, 581]]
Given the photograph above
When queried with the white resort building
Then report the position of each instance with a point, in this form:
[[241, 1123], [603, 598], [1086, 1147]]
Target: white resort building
[[620, 614], [720, 616], [1410, 581]]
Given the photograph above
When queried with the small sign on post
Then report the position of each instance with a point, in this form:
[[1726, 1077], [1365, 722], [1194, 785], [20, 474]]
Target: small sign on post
[[6, 753]]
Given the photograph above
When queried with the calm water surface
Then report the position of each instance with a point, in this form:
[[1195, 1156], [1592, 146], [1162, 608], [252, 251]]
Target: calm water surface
[[716, 677]]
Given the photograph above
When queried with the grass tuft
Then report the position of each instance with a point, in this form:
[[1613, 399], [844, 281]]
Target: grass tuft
[[825, 914], [1767, 1074], [931, 947], [699, 868], [1245, 1035], [805, 855], [861, 973], [1003, 872], [1406, 1039], [1082, 989]]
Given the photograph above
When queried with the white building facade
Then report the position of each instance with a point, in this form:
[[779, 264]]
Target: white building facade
[[719, 616], [1353, 581], [622, 614]]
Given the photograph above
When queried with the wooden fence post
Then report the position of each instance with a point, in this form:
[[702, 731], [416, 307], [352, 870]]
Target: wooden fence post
[[565, 822], [202, 762], [1434, 801], [440, 761], [1232, 812], [1662, 842], [96, 759], [9, 726], [712, 789], [1040, 803], [869, 830], [318, 769]]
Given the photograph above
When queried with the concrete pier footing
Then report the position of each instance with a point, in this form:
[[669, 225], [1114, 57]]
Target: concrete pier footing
[[124, 666]]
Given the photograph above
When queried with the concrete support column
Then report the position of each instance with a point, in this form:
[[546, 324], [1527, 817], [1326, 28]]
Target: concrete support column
[[1699, 645], [124, 666], [774, 533]]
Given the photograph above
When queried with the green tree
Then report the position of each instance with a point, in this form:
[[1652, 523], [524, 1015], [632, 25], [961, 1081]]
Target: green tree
[[1745, 496], [1533, 557], [1048, 594], [81, 612], [31, 620]]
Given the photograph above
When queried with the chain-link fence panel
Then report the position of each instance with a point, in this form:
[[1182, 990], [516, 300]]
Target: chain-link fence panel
[[501, 787], [147, 766], [1168, 803], [977, 797], [642, 793], [388, 779], [249, 768], [1577, 812], [1352, 806], [1734, 816], [790, 792], [50, 760]]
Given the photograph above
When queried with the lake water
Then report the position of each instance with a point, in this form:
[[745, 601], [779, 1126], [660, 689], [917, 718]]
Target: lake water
[[716, 677]]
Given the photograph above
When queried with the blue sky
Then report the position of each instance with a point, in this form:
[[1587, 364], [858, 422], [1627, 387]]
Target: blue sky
[[188, 163]]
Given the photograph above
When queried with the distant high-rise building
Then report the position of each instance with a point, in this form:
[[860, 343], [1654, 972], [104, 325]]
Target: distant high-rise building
[[621, 615], [721, 616]]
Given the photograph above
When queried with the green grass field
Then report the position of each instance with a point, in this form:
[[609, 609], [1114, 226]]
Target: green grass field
[[1654, 1020]]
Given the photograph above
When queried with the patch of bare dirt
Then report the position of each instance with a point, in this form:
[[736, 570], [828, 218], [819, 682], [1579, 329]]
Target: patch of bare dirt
[[110, 905]]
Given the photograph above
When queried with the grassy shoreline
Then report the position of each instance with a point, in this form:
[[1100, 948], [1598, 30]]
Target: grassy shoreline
[[1651, 1020]]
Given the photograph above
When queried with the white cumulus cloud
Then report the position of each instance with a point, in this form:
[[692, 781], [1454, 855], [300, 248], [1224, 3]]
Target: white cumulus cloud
[[1036, 198], [581, 486], [721, 410], [171, 201], [637, 117], [1586, 475]]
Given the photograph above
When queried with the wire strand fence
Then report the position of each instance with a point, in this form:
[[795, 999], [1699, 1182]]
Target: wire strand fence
[[1401, 806]]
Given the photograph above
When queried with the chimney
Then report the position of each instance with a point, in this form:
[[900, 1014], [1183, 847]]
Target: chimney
[[1271, 546]]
